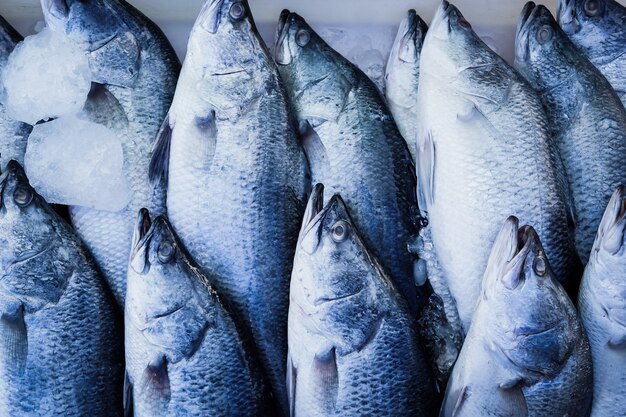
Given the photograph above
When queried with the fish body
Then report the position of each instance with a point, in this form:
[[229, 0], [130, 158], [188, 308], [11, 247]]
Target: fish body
[[60, 332], [402, 76], [598, 29], [602, 306], [526, 333], [236, 174], [353, 349], [353, 146], [184, 352], [484, 153], [134, 70], [587, 119], [13, 134]]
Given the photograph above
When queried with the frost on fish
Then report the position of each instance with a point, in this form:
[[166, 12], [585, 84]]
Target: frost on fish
[[46, 76], [89, 169]]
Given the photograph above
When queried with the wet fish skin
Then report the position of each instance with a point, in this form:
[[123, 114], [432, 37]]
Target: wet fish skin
[[602, 306], [586, 117], [135, 70], [13, 134], [402, 76], [353, 348], [179, 332], [599, 33], [60, 332], [484, 153], [526, 331], [236, 174], [353, 146]]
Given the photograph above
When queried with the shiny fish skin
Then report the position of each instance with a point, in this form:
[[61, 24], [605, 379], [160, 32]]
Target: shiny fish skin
[[13, 134], [599, 33], [184, 352], [237, 174], [526, 333], [136, 70], [602, 306], [353, 349], [61, 348], [587, 119], [402, 76], [353, 146], [484, 153]]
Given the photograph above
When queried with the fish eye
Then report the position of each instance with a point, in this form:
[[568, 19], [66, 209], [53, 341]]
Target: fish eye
[[340, 231], [464, 23], [303, 37], [237, 11], [544, 34], [591, 7], [540, 266], [22, 196], [165, 252]]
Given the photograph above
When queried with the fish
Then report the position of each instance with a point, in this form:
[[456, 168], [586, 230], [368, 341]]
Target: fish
[[353, 146], [587, 119], [13, 134], [353, 348], [484, 152], [179, 331], [134, 70], [602, 306], [402, 76], [236, 174], [526, 331], [598, 29], [61, 333]]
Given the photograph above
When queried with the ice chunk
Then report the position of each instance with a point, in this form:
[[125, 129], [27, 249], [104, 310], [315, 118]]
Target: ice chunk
[[76, 162], [46, 76]]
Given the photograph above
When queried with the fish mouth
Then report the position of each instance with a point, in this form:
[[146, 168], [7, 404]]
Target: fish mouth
[[282, 52], [313, 209], [611, 232], [410, 35], [566, 16], [522, 45], [141, 238], [440, 25], [58, 9], [211, 15]]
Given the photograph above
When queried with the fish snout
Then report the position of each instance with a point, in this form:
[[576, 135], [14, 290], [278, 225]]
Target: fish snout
[[57, 8]]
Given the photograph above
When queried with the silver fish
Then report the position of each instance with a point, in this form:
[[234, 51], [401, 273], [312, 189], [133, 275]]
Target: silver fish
[[598, 29], [602, 305], [135, 70], [587, 119], [353, 350], [13, 134], [402, 76], [60, 332], [236, 174], [526, 353], [185, 354], [484, 153]]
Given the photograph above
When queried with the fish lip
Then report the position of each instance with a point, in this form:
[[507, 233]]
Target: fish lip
[[522, 43], [211, 15], [57, 9], [441, 17], [411, 31], [611, 231], [567, 17], [282, 52], [314, 207]]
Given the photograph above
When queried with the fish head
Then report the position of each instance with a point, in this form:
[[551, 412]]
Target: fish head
[[402, 70], [318, 79], [594, 25], [333, 282], [163, 299], [531, 319], [35, 262], [542, 50], [102, 29], [609, 248]]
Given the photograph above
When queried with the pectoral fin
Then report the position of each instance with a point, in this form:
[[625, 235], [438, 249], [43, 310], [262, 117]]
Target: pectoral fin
[[292, 379], [160, 161], [155, 382], [14, 338], [425, 162], [326, 379], [128, 396]]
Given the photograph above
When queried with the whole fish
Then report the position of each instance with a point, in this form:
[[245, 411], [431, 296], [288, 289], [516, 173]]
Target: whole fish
[[61, 348], [602, 305], [353, 350], [483, 153], [402, 76], [236, 174], [13, 134], [598, 29], [184, 352], [134, 68], [587, 119], [526, 353], [353, 146]]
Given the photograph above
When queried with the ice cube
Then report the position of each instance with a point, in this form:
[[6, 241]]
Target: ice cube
[[46, 76], [76, 162]]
